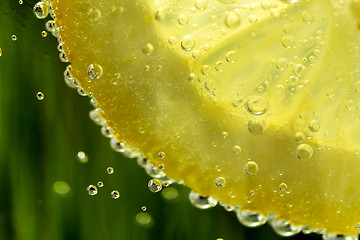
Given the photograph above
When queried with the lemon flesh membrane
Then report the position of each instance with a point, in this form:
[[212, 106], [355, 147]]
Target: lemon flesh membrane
[[205, 87]]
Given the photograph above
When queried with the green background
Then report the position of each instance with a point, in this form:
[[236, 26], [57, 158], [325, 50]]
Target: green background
[[39, 141]]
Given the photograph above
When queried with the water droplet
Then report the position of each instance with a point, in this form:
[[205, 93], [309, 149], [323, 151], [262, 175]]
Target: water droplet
[[94, 14], [143, 208], [188, 43], [257, 105], [92, 190], [201, 4], [219, 66], [314, 125], [220, 182], [288, 41], [172, 40], [256, 126], [44, 34], [232, 19], [253, 19], [284, 228], [41, 10], [21, 2], [40, 96], [82, 157], [155, 185], [304, 151], [148, 49], [161, 154], [237, 149], [50, 25], [283, 187], [110, 170], [115, 194], [100, 184], [329, 236], [95, 71], [250, 219], [202, 202], [14, 37]]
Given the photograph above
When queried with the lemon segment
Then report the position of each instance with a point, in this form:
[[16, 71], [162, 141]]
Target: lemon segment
[[260, 98]]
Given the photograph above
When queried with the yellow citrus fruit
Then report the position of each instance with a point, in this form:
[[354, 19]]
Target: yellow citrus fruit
[[255, 103]]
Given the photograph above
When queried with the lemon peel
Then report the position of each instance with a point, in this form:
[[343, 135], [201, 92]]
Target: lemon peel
[[187, 82]]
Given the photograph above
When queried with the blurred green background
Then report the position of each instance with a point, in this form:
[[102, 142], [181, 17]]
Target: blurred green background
[[39, 142]]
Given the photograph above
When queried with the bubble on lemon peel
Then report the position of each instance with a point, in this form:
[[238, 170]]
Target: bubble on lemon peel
[[281, 72]]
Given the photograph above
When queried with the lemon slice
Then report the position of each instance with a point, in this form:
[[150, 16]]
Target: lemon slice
[[254, 103]]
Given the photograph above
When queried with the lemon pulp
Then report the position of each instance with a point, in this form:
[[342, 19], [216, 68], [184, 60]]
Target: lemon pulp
[[253, 103]]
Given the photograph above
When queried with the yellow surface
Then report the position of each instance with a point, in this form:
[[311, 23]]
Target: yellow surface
[[211, 85]]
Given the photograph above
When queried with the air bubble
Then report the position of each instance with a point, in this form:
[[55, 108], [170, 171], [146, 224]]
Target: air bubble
[[82, 157], [14, 37], [100, 184], [40, 96], [299, 137], [110, 170], [329, 236], [288, 41], [201, 4], [183, 19], [115, 194], [299, 69], [257, 105], [251, 168], [314, 125], [282, 64], [304, 151], [231, 57], [256, 126], [265, 4], [143, 208], [44, 34], [155, 185], [148, 49], [187, 43], [253, 19], [284, 228], [283, 187], [95, 71], [92, 190], [250, 219], [41, 10], [237, 149], [202, 202], [232, 19], [307, 17], [94, 14], [220, 182]]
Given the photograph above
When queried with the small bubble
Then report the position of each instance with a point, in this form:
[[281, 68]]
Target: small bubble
[[356, 85], [288, 41], [183, 19], [237, 149], [299, 137], [172, 40], [299, 69], [187, 43], [161, 154], [1, 52], [94, 14], [14, 37], [115, 194], [231, 57], [92, 190], [50, 25], [95, 71], [110, 170], [201, 4], [256, 126], [307, 17], [40, 96], [155, 185], [21, 2], [265, 4], [219, 66], [232, 19], [253, 19], [61, 188], [251, 168], [143, 208], [257, 105], [314, 125], [148, 49], [202, 202], [283, 187], [41, 10], [357, 226], [282, 64], [82, 157], [304, 151], [100, 184], [44, 34], [220, 182]]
